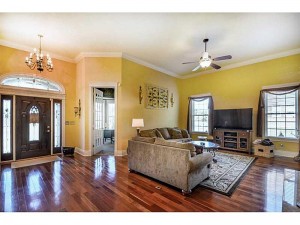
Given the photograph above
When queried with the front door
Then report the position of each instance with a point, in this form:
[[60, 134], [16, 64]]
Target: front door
[[33, 120]]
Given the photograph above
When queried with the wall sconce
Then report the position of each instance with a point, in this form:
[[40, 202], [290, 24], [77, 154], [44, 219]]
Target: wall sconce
[[172, 100], [77, 110], [140, 95]]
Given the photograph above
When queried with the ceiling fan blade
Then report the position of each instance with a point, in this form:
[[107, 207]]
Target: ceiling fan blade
[[215, 66], [222, 58], [188, 62], [196, 68]]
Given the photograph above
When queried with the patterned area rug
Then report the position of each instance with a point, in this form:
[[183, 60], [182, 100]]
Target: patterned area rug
[[227, 173]]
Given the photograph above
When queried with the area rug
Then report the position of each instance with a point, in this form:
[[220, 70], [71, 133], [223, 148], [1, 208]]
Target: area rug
[[35, 161], [227, 172]]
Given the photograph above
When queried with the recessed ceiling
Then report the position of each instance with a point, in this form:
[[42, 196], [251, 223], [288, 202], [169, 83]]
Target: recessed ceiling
[[163, 40]]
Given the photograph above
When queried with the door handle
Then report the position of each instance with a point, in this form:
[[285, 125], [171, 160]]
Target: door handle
[[48, 131]]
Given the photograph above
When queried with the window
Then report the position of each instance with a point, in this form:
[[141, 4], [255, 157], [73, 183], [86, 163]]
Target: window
[[200, 115], [6, 126], [281, 114], [111, 114], [57, 124], [31, 82], [34, 125]]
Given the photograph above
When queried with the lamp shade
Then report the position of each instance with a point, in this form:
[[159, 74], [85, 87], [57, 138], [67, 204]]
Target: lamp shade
[[137, 122]]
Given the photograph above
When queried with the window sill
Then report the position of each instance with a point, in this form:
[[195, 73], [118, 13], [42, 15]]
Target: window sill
[[276, 139], [199, 133]]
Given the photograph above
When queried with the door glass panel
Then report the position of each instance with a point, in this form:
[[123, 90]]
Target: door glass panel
[[34, 126], [7, 126], [57, 124]]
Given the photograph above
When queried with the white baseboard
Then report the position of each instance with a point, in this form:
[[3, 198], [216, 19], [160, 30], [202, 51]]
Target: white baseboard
[[83, 152], [285, 153], [120, 152]]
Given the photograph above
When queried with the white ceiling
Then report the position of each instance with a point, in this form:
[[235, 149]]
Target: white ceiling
[[160, 40]]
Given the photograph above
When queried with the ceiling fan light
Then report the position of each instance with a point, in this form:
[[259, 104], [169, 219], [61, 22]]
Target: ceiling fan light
[[204, 63]]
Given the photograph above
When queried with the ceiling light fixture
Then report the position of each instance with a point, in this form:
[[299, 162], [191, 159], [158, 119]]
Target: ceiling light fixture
[[205, 60], [38, 63]]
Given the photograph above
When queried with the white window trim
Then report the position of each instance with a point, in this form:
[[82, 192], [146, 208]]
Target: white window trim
[[280, 85], [285, 139], [192, 121]]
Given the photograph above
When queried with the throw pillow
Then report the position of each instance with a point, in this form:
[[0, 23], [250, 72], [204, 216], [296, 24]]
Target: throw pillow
[[164, 132], [148, 133], [175, 133], [185, 133], [159, 135]]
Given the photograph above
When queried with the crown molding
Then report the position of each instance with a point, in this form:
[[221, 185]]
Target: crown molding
[[147, 64], [29, 49], [82, 55], [144, 63], [247, 62]]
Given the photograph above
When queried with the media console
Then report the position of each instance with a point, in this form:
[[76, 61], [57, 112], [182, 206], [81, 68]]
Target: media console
[[231, 139]]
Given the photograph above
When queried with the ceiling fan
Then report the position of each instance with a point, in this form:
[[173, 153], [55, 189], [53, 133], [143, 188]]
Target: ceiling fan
[[206, 60]]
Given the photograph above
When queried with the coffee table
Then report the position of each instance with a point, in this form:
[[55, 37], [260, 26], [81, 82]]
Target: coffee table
[[208, 146]]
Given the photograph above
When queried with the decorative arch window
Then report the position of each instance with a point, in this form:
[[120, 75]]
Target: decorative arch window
[[32, 82], [34, 124]]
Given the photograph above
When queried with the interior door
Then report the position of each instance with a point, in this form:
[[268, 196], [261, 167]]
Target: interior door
[[98, 120], [33, 118]]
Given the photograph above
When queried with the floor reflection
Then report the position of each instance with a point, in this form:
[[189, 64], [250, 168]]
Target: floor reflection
[[105, 167], [57, 182], [291, 190], [98, 167], [7, 189], [274, 190], [33, 180]]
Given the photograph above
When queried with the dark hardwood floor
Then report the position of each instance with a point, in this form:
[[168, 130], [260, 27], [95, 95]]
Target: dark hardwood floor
[[103, 183]]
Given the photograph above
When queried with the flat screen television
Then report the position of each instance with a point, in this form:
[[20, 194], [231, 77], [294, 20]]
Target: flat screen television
[[233, 119]]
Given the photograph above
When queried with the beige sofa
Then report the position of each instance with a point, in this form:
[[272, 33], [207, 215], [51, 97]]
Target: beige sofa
[[173, 163]]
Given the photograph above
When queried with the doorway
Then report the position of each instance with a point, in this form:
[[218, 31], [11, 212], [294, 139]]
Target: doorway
[[104, 120], [31, 125]]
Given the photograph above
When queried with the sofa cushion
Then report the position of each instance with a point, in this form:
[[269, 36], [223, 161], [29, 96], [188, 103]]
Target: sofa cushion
[[175, 133], [185, 133], [188, 146], [148, 133], [165, 133], [144, 139]]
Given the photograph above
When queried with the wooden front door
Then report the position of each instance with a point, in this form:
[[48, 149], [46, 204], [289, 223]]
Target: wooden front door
[[33, 120]]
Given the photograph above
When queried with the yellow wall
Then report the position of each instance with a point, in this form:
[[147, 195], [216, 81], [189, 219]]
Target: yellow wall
[[235, 88], [12, 61], [93, 72], [134, 76], [239, 87], [130, 76]]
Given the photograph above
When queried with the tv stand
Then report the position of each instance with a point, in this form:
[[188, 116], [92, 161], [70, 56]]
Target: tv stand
[[231, 139]]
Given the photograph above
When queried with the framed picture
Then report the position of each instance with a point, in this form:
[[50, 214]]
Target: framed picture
[[157, 97]]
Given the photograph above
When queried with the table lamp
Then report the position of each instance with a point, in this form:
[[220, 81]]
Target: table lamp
[[138, 123]]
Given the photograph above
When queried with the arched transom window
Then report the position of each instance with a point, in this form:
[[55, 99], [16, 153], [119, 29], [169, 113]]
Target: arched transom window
[[31, 82]]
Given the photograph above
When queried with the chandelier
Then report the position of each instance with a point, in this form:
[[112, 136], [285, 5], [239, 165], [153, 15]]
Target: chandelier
[[39, 59]]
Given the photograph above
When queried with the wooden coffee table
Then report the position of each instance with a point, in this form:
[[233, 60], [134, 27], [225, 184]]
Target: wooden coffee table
[[208, 146]]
